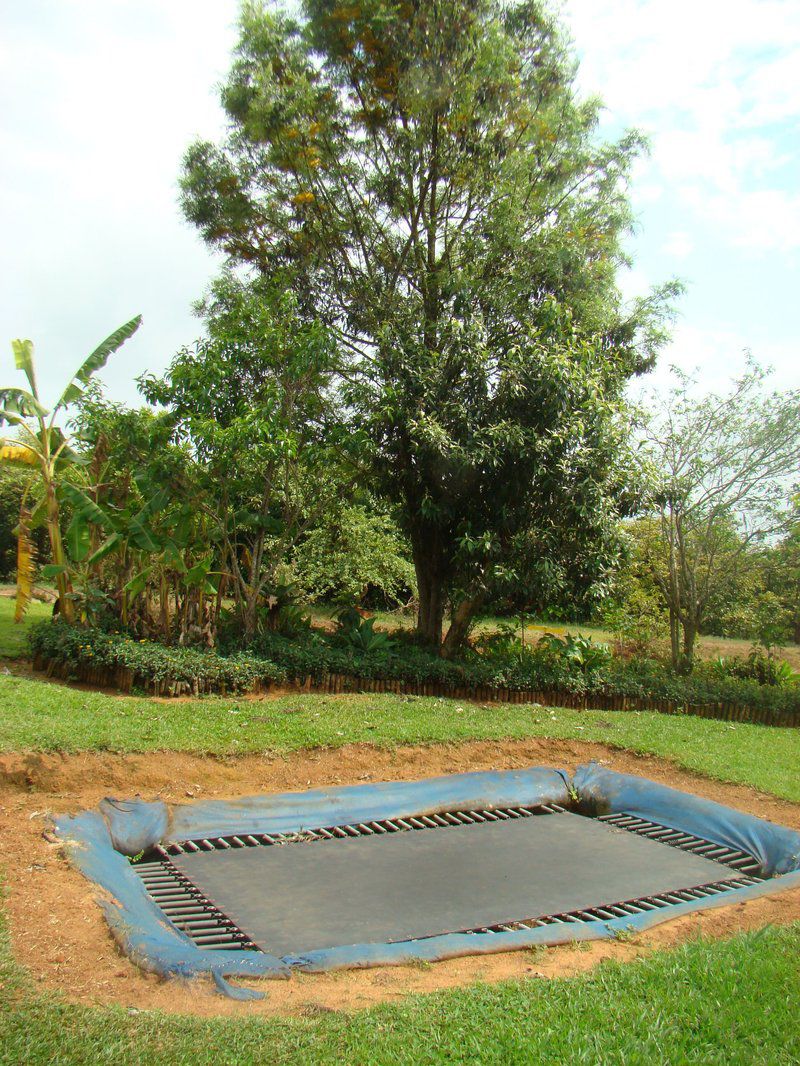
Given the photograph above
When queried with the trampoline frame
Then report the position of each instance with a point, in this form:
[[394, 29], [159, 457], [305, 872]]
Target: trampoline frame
[[101, 843]]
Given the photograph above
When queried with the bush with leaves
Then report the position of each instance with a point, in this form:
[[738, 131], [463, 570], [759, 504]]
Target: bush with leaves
[[359, 633], [353, 554], [581, 655], [150, 662], [762, 665]]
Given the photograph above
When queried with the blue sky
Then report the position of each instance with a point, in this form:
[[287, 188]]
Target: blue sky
[[99, 100]]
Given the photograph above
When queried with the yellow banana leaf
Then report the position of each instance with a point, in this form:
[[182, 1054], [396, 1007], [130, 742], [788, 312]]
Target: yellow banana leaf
[[16, 453], [26, 563]]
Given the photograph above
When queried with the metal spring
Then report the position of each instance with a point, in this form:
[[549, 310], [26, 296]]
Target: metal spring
[[608, 912], [445, 820], [188, 909], [737, 860]]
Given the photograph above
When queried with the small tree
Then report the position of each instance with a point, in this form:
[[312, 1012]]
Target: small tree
[[250, 400], [42, 443], [781, 567], [721, 470]]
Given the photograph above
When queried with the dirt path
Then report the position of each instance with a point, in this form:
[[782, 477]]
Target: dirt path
[[59, 934]]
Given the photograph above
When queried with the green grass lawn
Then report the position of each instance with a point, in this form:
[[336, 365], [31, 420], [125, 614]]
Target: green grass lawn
[[55, 717], [734, 1001], [12, 635]]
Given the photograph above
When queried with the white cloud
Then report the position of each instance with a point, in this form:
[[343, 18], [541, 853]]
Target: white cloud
[[100, 102], [716, 355], [679, 245], [716, 85]]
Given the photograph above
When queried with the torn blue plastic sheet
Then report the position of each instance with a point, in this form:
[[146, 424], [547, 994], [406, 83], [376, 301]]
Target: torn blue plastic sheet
[[100, 843]]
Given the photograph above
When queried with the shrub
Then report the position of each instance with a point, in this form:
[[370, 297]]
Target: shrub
[[581, 655], [354, 554], [149, 662], [761, 665], [359, 633]]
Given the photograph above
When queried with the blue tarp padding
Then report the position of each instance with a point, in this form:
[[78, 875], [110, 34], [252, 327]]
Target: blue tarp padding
[[98, 841]]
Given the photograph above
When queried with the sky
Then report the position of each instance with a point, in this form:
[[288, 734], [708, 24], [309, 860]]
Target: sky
[[100, 98]]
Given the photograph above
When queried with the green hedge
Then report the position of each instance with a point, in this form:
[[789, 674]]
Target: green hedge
[[314, 656], [148, 662], [275, 659]]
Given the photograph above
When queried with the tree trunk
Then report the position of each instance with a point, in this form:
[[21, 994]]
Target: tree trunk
[[65, 605], [689, 626], [460, 623], [164, 604], [431, 606], [674, 638], [250, 612], [430, 587]]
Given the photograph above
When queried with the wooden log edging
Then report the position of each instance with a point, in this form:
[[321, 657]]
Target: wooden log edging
[[125, 680]]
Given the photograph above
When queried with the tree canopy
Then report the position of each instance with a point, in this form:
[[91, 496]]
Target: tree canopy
[[250, 402], [429, 180]]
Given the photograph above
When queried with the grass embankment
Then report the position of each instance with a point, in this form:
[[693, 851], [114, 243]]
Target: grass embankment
[[735, 1001], [54, 717]]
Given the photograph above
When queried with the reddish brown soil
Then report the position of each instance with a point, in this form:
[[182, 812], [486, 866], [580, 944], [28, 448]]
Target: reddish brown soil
[[59, 934]]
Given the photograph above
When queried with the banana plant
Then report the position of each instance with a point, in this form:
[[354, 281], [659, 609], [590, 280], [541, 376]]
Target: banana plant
[[42, 443], [153, 548]]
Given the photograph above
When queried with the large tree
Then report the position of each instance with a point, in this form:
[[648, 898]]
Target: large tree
[[782, 571], [428, 175]]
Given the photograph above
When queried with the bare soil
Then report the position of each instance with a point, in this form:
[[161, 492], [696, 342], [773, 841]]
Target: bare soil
[[59, 934]]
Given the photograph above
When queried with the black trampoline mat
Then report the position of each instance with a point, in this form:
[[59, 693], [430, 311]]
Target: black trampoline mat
[[298, 897]]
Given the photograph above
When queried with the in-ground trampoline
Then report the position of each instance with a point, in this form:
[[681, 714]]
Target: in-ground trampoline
[[390, 873]]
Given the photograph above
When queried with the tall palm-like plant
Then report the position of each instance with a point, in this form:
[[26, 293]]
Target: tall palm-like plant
[[41, 442]]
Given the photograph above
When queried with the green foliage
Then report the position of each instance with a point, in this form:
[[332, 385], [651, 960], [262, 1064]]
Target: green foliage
[[359, 633], [281, 613], [635, 610], [580, 654], [14, 482], [355, 553], [42, 443], [149, 662], [762, 665], [577, 666], [721, 471], [139, 536], [251, 400], [781, 572]]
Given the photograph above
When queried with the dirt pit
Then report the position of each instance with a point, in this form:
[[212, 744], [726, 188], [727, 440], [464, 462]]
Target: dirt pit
[[60, 936]]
